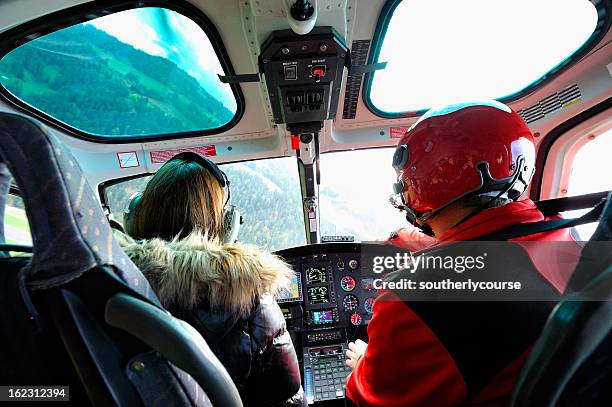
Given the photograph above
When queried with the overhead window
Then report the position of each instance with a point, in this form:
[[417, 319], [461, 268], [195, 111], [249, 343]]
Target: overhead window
[[440, 52], [144, 72]]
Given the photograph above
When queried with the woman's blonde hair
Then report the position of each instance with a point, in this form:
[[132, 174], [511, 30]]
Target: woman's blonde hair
[[182, 197]]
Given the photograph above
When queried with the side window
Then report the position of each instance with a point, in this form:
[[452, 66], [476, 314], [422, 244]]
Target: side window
[[590, 172], [16, 226]]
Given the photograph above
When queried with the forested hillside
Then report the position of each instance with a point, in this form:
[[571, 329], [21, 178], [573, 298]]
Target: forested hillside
[[271, 202], [104, 86]]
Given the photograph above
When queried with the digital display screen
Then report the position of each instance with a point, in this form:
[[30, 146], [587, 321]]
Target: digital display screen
[[293, 292], [322, 317], [318, 295], [315, 275]]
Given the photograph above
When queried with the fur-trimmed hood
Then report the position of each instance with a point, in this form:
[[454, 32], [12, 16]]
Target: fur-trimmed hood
[[229, 277]]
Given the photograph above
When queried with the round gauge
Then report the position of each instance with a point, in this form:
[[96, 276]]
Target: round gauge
[[348, 283], [369, 305], [350, 302], [353, 264], [356, 319], [340, 265]]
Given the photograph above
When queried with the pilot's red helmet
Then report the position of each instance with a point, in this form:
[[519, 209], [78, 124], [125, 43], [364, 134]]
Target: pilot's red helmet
[[480, 148]]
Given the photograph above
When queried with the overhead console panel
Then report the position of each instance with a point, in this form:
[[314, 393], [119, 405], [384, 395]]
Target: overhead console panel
[[304, 74]]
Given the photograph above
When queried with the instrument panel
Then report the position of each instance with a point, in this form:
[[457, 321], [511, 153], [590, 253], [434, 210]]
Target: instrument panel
[[330, 286], [330, 301]]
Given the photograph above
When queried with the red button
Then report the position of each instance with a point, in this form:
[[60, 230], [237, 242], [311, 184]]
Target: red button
[[318, 72], [295, 142]]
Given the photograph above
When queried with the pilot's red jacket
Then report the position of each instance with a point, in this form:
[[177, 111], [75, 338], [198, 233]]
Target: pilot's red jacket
[[411, 239], [410, 362]]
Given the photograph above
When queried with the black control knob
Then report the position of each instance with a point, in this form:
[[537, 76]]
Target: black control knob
[[302, 10]]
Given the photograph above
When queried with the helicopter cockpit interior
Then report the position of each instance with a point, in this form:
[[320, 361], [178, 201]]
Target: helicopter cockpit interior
[[301, 104]]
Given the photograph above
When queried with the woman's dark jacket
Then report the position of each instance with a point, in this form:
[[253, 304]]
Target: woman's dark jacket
[[226, 291]]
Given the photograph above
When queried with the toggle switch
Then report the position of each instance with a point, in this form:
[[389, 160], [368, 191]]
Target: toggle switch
[[318, 71]]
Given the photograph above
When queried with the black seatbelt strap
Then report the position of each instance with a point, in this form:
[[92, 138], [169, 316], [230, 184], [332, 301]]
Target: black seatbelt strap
[[243, 78], [550, 207], [361, 69], [527, 229]]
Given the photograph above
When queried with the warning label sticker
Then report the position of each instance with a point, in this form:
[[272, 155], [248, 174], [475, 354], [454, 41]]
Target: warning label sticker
[[161, 156], [398, 132], [128, 159]]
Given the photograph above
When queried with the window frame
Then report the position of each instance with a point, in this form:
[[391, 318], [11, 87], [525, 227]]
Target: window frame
[[549, 140], [557, 155], [604, 10], [47, 24]]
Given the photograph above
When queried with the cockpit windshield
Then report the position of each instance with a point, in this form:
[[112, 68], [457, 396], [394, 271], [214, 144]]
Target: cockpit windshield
[[267, 193], [354, 194]]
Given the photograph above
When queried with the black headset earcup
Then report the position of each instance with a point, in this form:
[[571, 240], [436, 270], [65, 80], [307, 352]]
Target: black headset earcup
[[400, 157], [129, 214]]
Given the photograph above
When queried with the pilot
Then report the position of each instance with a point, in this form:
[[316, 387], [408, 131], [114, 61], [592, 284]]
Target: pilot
[[462, 171], [224, 290]]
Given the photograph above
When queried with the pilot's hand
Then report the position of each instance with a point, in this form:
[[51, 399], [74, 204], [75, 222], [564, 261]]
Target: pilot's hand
[[411, 238], [355, 351]]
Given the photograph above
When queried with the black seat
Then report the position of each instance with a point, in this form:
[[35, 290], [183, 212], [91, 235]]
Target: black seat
[[571, 364], [78, 312]]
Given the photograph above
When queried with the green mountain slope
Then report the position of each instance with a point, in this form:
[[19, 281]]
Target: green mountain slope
[[103, 86]]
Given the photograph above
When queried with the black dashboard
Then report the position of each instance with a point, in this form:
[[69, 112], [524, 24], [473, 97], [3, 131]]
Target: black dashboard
[[329, 304]]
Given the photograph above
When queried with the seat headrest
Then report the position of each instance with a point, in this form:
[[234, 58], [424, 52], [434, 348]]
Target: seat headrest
[[70, 232]]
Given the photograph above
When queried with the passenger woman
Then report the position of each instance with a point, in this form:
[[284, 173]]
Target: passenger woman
[[225, 290]]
